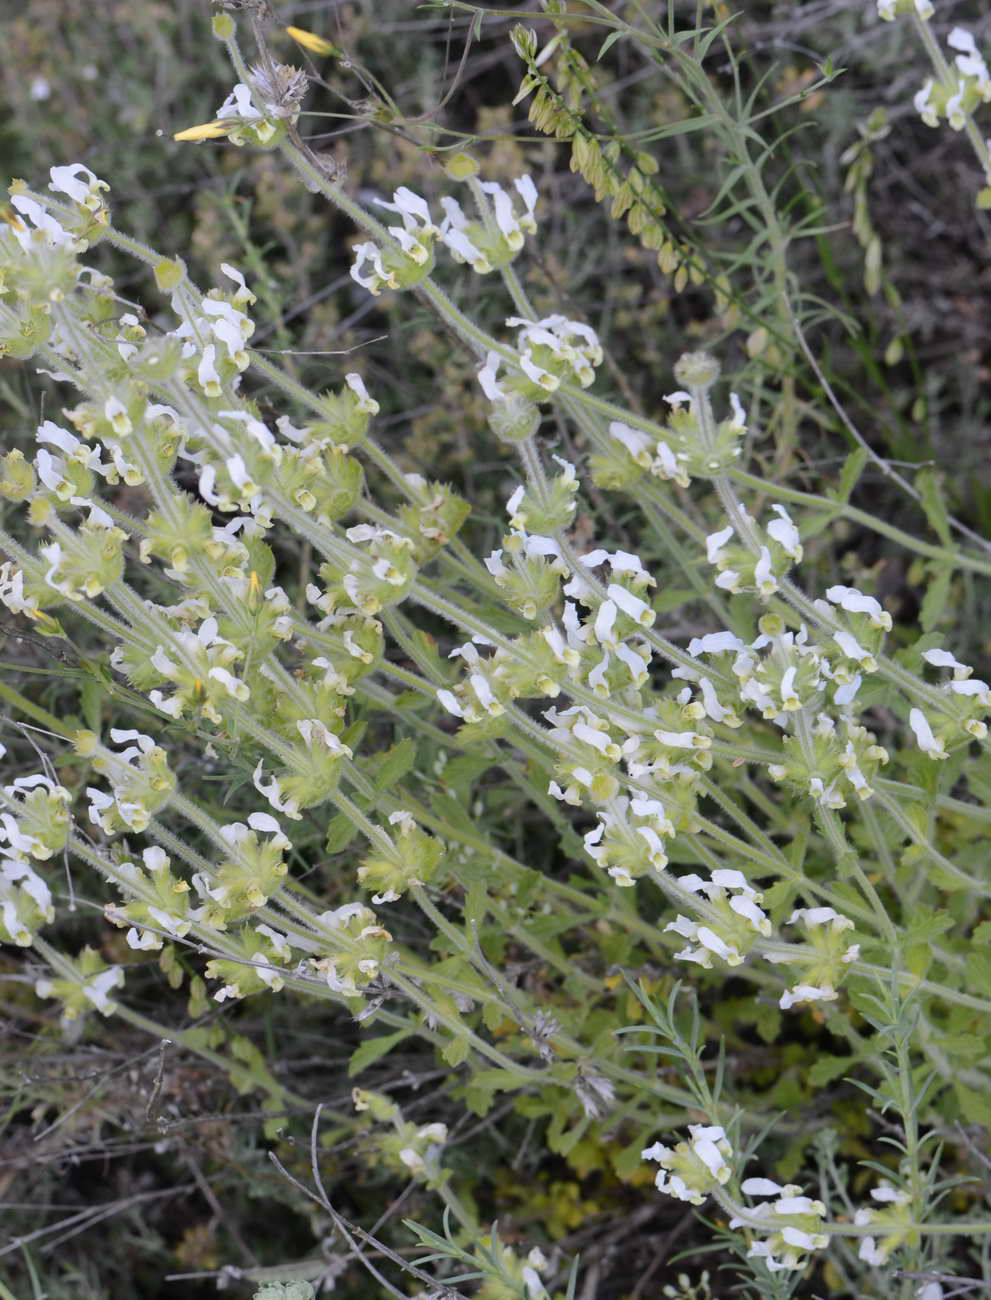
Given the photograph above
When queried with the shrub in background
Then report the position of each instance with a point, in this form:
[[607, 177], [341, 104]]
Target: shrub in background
[[562, 810]]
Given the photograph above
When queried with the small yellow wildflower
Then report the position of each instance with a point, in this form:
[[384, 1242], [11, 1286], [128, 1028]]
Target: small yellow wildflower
[[205, 131], [315, 44]]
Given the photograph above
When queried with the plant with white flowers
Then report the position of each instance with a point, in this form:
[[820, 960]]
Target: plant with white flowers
[[753, 797]]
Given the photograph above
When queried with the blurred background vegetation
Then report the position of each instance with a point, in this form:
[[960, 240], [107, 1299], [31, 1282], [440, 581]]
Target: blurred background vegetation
[[110, 1197]]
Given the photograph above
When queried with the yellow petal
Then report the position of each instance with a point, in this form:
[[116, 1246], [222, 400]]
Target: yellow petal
[[316, 44], [12, 219], [206, 131]]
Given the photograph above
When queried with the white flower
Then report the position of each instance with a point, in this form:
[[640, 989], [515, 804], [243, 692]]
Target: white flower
[[572, 342], [802, 993], [234, 687], [605, 620], [511, 226], [312, 730], [678, 399], [369, 253], [924, 735], [242, 294], [715, 542], [714, 643], [788, 1242], [631, 605], [453, 234], [689, 1169], [85, 192], [413, 210], [273, 793], [764, 577], [739, 420], [238, 104], [785, 533], [537, 374], [943, 659], [855, 602], [638, 443], [969, 61], [955, 114], [206, 372], [923, 103], [852, 649], [49, 230]]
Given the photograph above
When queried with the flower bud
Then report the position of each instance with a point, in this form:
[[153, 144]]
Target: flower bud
[[696, 370]]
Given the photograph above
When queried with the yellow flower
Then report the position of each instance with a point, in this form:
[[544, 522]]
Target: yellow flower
[[205, 131], [316, 44]]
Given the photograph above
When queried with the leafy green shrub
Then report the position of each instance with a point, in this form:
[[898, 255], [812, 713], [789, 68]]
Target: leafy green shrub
[[627, 811]]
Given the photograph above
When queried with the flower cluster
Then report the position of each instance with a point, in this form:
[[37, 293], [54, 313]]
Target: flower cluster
[[787, 1224], [259, 955], [548, 352], [408, 1149], [683, 450], [733, 917], [413, 860], [954, 97], [409, 258], [759, 562], [823, 962], [642, 726], [158, 902], [691, 1170], [139, 775], [485, 244], [34, 824], [361, 948], [89, 983], [257, 112], [963, 698], [896, 1215]]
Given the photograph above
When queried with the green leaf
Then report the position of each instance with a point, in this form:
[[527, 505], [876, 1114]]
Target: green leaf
[[925, 925], [453, 812], [373, 1049], [974, 1106], [340, 832], [565, 1142], [815, 524], [408, 700], [779, 896], [934, 601], [391, 766], [933, 503], [768, 1022], [455, 1050], [827, 1068], [461, 772], [852, 469], [608, 43], [484, 1086], [92, 693], [477, 902], [627, 1161], [492, 1016], [979, 970]]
